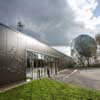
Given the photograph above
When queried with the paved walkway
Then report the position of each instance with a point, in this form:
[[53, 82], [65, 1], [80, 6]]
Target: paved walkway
[[87, 78], [12, 85]]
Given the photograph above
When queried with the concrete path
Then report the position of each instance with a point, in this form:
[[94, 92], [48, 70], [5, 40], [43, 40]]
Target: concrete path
[[11, 86], [86, 78]]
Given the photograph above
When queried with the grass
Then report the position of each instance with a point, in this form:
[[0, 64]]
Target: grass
[[46, 89]]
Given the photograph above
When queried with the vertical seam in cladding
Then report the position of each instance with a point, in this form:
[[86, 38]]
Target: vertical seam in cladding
[[6, 41]]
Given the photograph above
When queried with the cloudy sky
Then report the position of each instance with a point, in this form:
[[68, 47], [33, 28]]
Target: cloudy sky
[[55, 22]]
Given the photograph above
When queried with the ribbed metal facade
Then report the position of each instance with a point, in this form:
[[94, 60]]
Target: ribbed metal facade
[[14, 46]]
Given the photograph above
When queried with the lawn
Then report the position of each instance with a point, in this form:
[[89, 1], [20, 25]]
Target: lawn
[[45, 89]]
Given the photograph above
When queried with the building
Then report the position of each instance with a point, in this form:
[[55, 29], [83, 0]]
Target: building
[[97, 38], [22, 57]]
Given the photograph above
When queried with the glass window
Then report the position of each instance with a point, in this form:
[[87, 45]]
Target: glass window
[[39, 56]]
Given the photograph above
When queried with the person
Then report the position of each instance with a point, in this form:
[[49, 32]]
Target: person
[[48, 72], [39, 73]]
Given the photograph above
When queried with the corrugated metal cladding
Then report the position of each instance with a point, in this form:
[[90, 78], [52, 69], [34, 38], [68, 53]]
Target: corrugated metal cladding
[[13, 47]]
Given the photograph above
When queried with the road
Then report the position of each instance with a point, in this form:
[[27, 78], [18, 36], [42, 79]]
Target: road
[[85, 77]]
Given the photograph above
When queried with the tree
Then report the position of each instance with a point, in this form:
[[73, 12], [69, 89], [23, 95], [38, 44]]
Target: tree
[[86, 47]]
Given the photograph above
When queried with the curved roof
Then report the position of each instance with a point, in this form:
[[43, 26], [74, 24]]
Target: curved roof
[[37, 45]]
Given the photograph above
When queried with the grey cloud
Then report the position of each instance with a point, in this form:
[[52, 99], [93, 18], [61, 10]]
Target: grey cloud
[[51, 21]]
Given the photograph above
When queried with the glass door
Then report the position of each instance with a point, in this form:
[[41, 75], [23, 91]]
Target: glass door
[[30, 65]]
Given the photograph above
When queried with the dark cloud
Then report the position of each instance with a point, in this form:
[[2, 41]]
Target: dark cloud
[[52, 20]]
